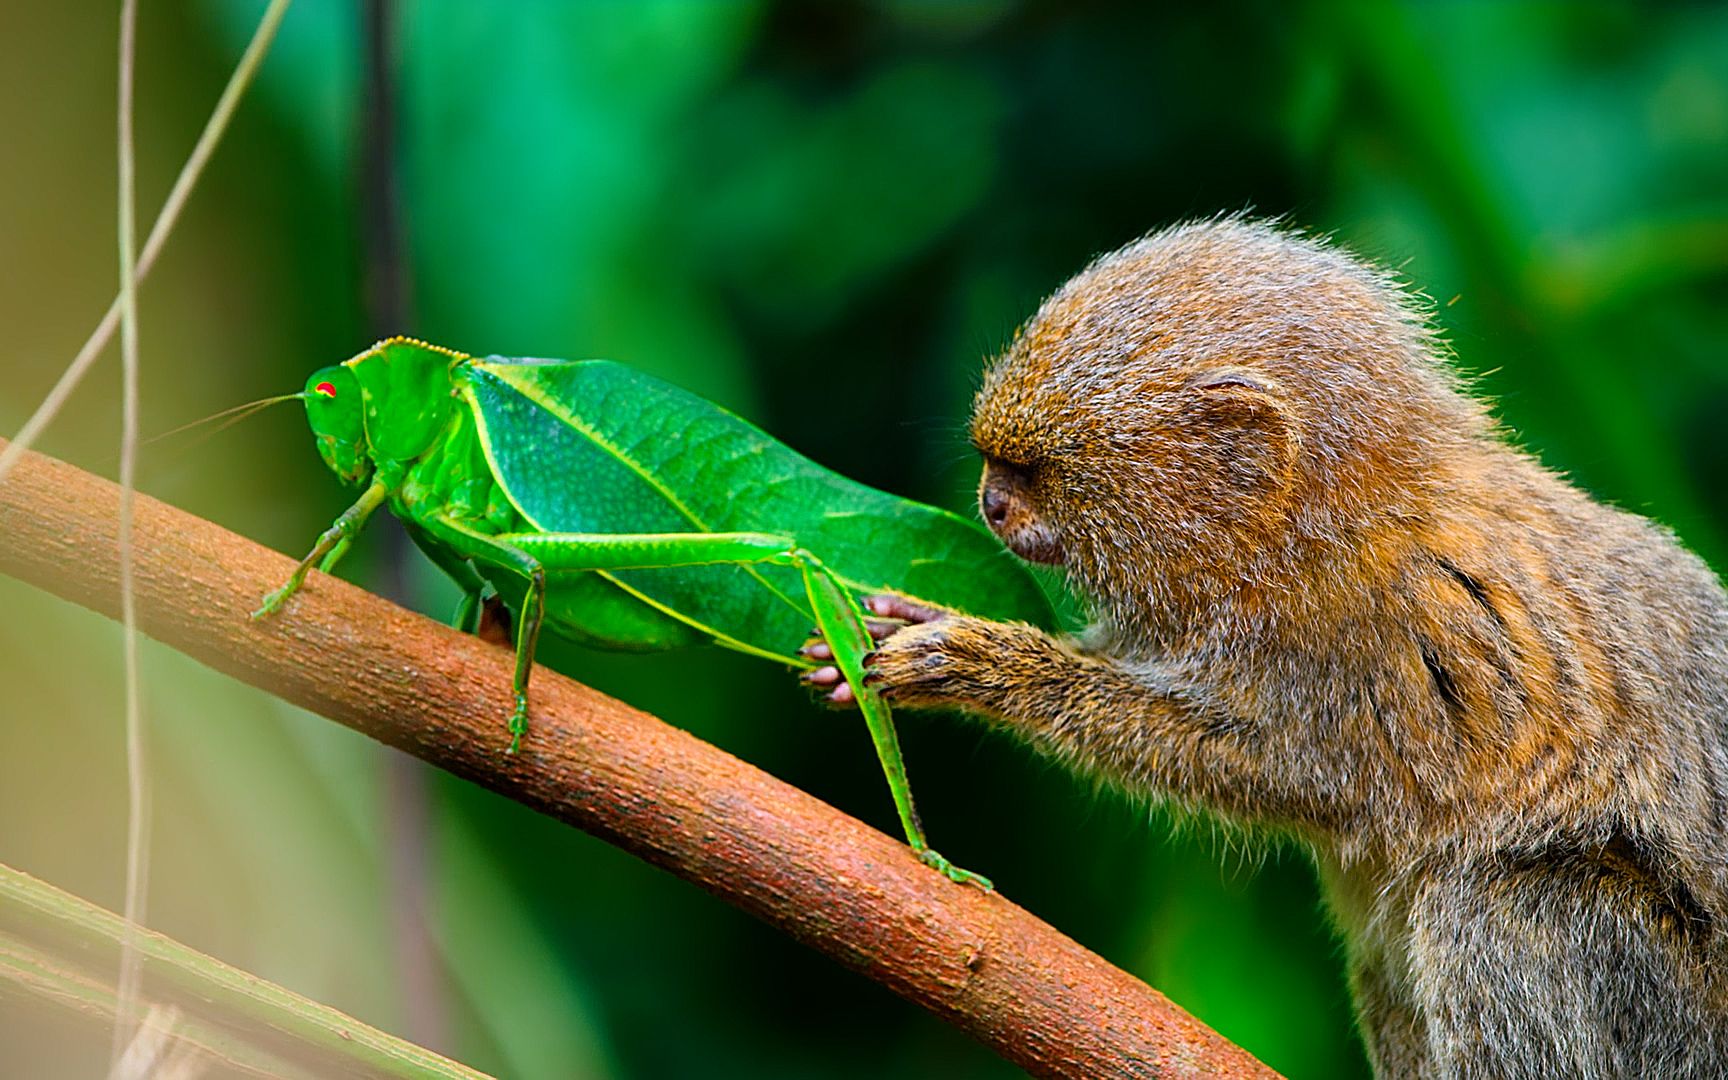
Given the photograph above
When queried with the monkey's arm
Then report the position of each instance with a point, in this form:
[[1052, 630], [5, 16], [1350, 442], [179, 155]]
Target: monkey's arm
[[1145, 728]]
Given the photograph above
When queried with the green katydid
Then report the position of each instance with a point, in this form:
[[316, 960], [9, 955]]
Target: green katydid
[[623, 512]]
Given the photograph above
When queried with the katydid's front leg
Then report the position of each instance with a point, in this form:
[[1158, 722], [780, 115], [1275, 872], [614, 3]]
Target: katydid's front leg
[[333, 544]]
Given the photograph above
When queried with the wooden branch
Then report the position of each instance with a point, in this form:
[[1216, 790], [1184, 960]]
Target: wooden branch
[[974, 959], [56, 946]]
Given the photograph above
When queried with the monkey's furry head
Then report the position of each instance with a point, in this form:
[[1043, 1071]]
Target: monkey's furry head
[[1202, 406]]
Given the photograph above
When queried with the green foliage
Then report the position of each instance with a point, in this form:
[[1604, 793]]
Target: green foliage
[[823, 216]]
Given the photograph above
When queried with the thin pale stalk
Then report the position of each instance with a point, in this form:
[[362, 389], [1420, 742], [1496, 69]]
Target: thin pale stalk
[[214, 129], [137, 826], [56, 947]]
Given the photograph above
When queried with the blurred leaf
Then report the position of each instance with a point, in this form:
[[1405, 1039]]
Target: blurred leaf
[[804, 205]]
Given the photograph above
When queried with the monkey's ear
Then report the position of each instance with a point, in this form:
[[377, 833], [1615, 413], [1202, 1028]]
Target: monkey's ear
[[1252, 428]]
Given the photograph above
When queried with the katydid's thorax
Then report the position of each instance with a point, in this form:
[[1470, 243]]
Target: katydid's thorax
[[454, 479]]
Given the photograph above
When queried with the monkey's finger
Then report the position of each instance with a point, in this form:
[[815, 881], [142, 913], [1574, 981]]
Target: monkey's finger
[[823, 676], [882, 629], [816, 646], [888, 606], [842, 694]]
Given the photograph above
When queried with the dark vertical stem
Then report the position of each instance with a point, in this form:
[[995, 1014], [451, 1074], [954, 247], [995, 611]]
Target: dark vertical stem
[[386, 277], [406, 783]]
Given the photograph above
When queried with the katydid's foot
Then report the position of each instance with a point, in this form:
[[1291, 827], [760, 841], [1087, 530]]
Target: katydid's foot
[[273, 603], [930, 858], [518, 723]]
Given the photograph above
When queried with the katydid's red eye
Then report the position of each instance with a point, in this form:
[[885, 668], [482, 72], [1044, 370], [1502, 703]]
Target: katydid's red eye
[[327, 389]]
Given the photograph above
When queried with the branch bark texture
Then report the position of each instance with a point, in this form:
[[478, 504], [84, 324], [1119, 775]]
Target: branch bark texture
[[974, 959]]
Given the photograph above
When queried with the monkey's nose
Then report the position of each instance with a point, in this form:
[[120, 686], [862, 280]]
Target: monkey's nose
[[994, 502]]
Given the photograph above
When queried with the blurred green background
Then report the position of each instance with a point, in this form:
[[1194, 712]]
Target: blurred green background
[[824, 215]]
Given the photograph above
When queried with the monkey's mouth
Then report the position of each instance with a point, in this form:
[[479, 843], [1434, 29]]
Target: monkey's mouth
[[1036, 543]]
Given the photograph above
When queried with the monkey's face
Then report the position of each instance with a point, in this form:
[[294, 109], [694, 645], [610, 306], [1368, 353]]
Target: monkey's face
[[1135, 469], [1176, 473], [1189, 415], [1007, 499]]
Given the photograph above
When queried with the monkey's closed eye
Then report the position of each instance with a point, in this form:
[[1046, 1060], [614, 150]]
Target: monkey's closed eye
[[1227, 378], [1009, 471]]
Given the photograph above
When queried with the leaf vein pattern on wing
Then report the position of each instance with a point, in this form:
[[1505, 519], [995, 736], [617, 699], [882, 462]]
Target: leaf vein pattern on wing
[[629, 457]]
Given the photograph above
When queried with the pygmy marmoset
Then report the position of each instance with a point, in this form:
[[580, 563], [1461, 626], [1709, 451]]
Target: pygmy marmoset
[[1331, 599]]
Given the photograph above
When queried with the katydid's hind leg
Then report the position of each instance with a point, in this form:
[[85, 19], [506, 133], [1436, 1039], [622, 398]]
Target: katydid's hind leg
[[933, 859], [889, 613], [331, 545], [849, 638], [521, 554]]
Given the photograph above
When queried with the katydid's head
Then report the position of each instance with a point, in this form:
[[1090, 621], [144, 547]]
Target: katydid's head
[[333, 408], [390, 404]]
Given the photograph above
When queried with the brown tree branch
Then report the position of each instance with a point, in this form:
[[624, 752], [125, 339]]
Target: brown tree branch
[[974, 959]]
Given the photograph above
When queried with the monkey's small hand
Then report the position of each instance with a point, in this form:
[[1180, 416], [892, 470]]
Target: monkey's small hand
[[892, 613], [953, 661], [932, 658]]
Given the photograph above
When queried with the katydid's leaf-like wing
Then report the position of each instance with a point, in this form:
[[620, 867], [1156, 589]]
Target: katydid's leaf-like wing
[[596, 447]]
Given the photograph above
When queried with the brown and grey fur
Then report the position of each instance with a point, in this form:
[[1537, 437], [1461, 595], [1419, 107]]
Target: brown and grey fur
[[1333, 600]]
